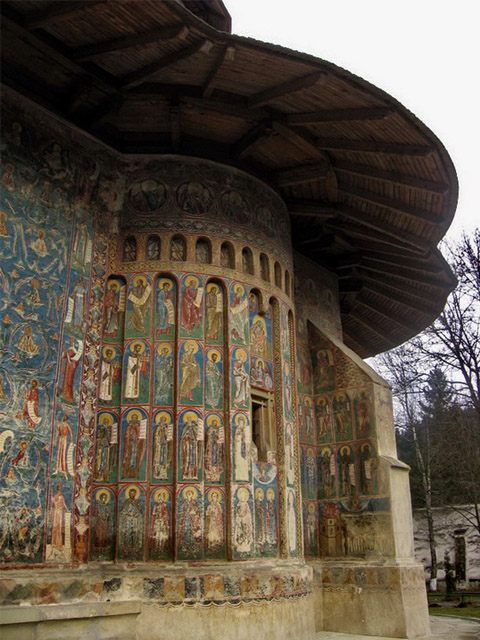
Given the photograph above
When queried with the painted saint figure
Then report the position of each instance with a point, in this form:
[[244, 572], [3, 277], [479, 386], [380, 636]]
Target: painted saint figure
[[131, 525], [102, 516], [191, 308], [137, 370], [70, 361], [63, 432], [30, 406], [59, 509], [140, 297], [161, 446], [190, 526], [105, 448], [190, 371], [239, 315], [213, 450], [165, 313], [134, 446], [190, 449], [241, 380], [214, 380], [112, 309], [213, 312], [214, 522], [163, 375], [109, 374], [160, 525], [243, 530]]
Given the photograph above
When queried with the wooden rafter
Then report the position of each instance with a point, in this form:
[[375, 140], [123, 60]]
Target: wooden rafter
[[416, 264], [350, 285], [372, 222], [408, 299], [404, 273], [301, 140], [374, 146], [301, 174], [226, 55], [233, 108], [161, 34], [339, 115], [291, 86], [373, 235], [390, 203], [311, 209], [251, 139], [383, 311], [144, 73], [58, 12], [368, 326], [321, 241], [394, 177]]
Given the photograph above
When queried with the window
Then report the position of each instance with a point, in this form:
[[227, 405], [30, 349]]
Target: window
[[153, 248], [130, 249], [263, 430]]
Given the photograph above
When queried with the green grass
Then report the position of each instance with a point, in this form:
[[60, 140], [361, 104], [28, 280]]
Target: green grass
[[464, 612]]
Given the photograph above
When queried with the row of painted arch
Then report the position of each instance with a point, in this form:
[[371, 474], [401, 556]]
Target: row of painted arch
[[151, 249]]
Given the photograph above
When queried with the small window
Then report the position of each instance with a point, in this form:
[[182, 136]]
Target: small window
[[247, 260], [153, 248], [263, 430], [227, 257], [178, 249], [287, 283], [278, 274], [264, 267], [202, 251], [130, 249]]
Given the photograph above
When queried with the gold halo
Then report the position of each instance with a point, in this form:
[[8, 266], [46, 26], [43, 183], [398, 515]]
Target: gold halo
[[325, 450], [311, 507], [189, 488], [259, 493], [190, 414], [310, 451], [213, 492], [211, 418], [103, 415], [257, 362], [366, 445], [241, 354], [210, 286], [322, 401], [270, 493], [258, 318], [102, 492], [161, 492], [163, 281], [116, 282], [345, 448], [190, 279], [191, 342], [210, 353], [162, 346], [238, 289], [236, 419], [129, 488], [286, 368], [129, 414], [108, 347], [307, 400], [243, 492], [135, 343], [340, 396], [160, 414], [139, 279]]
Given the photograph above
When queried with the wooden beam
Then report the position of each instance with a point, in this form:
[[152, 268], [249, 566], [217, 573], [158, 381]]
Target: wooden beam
[[311, 208], [60, 11], [372, 222], [301, 140], [404, 273], [350, 285], [291, 86], [418, 264], [353, 168], [226, 55], [91, 117], [251, 139], [140, 75], [372, 235], [159, 35], [372, 146], [381, 310], [339, 115], [321, 241], [368, 326], [235, 109], [301, 174], [389, 203], [407, 298]]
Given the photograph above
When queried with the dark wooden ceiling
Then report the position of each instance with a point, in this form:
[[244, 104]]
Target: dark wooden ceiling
[[370, 189]]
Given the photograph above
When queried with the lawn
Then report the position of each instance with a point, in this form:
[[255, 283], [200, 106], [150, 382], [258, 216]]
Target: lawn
[[464, 612]]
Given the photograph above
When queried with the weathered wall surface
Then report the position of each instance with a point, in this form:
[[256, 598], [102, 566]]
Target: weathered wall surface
[[453, 534]]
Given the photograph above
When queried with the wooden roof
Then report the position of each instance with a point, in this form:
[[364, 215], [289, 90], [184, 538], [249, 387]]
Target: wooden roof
[[369, 188]]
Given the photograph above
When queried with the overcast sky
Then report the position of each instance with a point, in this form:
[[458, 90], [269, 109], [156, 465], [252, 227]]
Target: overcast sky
[[425, 53]]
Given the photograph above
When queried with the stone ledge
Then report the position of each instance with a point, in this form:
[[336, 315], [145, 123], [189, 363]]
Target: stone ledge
[[22, 615]]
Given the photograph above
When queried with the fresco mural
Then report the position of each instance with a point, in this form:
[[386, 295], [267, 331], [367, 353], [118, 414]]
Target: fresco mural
[[160, 531]]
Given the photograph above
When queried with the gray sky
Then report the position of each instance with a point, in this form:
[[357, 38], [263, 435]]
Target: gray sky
[[425, 53]]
